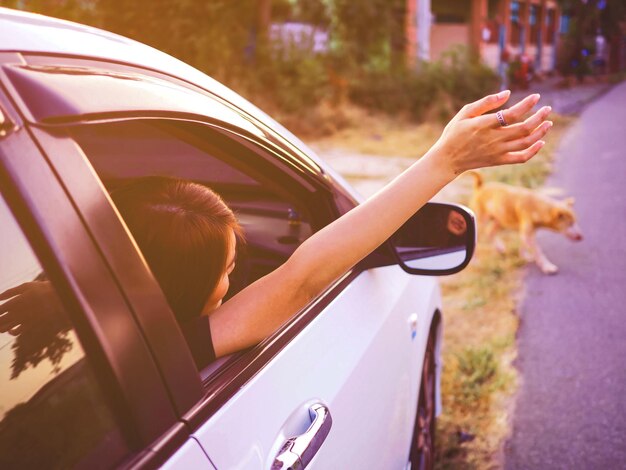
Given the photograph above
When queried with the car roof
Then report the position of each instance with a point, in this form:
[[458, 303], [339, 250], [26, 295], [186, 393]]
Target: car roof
[[32, 33], [29, 32]]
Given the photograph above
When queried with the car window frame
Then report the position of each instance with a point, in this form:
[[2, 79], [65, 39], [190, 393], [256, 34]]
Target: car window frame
[[271, 134], [60, 147], [239, 368], [287, 178], [29, 187]]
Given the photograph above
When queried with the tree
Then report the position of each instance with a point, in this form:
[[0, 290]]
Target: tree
[[587, 19], [370, 33]]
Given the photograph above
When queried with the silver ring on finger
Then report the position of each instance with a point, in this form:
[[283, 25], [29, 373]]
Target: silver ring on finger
[[500, 118]]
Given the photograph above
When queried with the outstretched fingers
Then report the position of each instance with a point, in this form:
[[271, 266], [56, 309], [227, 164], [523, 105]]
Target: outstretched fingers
[[12, 292], [530, 125], [522, 156], [526, 141], [516, 113], [483, 105], [8, 321]]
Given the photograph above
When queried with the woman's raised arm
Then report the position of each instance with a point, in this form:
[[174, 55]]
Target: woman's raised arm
[[472, 139]]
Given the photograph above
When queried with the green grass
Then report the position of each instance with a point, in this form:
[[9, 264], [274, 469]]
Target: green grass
[[475, 373]]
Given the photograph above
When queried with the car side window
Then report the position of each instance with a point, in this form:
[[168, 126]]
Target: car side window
[[274, 218], [52, 411]]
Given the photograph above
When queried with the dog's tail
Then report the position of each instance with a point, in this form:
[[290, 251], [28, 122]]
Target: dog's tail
[[478, 179]]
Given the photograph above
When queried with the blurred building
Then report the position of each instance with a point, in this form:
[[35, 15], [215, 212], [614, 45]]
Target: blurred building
[[498, 30]]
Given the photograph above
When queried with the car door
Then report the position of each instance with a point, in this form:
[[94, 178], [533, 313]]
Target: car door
[[355, 348], [79, 386], [353, 354], [357, 358]]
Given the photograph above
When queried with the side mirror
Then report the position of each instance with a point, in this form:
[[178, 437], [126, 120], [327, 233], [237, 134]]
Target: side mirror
[[439, 239]]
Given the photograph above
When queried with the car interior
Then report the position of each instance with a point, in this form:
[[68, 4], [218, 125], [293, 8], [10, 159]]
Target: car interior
[[273, 218]]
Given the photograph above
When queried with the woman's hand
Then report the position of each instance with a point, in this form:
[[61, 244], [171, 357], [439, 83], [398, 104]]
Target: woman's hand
[[32, 313], [473, 139], [28, 306]]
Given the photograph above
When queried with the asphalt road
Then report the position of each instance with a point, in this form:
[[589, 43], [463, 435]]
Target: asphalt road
[[571, 409]]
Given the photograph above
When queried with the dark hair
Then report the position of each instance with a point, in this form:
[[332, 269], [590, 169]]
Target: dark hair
[[183, 230]]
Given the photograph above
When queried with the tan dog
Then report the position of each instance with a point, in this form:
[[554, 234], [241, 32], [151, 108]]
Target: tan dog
[[502, 206]]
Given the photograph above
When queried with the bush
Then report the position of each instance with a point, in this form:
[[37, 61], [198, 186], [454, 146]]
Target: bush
[[393, 92], [437, 89], [289, 78], [462, 76], [573, 60]]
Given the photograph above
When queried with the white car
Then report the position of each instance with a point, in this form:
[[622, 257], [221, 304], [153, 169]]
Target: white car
[[351, 381]]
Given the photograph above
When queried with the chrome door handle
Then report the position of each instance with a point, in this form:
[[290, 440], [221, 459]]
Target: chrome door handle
[[297, 452]]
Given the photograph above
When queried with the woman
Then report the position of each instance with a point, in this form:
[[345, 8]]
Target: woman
[[189, 236]]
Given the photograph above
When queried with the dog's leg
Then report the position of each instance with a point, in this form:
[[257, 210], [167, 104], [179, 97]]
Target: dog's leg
[[492, 228], [546, 266], [499, 244], [525, 252], [530, 246], [488, 226]]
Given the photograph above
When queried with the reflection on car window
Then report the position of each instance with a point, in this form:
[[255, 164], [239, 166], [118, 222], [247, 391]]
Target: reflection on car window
[[52, 414]]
